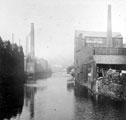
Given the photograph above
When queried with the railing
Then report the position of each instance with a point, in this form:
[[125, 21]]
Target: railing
[[109, 51]]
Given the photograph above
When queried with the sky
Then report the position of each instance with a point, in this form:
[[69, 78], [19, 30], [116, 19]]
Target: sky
[[55, 23]]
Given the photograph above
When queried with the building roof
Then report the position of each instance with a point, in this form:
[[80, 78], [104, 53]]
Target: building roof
[[96, 34]]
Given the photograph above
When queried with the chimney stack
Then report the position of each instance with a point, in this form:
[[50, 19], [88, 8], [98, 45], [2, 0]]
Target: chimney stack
[[109, 42], [32, 41], [12, 38], [26, 46]]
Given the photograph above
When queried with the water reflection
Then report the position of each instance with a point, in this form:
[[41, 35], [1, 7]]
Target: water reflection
[[97, 107], [11, 99], [70, 84], [29, 99], [31, 90], [70, 87], [43, 75], [38, 76], [49, 99], [56, 98]]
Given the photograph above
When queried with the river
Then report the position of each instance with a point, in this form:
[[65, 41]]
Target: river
[[54, 99]]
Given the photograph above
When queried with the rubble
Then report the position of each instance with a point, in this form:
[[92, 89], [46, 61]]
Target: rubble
[[113, 84]]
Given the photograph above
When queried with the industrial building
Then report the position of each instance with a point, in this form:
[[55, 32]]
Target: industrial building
[[100, 57]]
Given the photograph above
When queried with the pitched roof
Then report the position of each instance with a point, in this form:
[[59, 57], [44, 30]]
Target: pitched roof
[[96, 34]]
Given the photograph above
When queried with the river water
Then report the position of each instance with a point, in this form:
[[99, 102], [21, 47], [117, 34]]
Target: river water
[[54, 99]]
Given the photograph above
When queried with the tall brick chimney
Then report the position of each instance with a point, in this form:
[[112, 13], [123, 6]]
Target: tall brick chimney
[[109, 42], [32, 41], [26, 47]]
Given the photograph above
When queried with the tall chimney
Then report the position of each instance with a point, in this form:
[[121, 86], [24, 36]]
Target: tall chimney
[[109, 29], [32, 41], [19, 42], [12, 38], [26, 46]]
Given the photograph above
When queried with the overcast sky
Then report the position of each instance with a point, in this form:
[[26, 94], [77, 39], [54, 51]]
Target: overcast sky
[[56, 21]]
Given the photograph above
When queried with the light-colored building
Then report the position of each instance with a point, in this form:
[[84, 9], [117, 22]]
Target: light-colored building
[[96, 39]]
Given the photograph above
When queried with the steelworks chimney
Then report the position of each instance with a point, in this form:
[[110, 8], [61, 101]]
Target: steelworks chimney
[[12, 38], [26, 46], [109, 42], [32, 41]]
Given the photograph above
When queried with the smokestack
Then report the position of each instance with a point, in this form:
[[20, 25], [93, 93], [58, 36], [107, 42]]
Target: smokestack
[[32, 40], [19, 42], [26, 46], [12, 38], [109, 29]]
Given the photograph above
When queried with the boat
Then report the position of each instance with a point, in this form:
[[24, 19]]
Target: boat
[[70, 80], [100, 62]]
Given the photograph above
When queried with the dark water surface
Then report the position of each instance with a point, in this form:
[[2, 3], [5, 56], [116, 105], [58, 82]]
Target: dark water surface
[[54, 99]]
